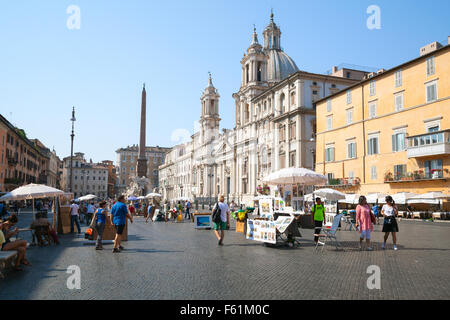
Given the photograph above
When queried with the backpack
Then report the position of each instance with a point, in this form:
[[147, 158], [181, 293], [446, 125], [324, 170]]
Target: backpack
[[216, 214]]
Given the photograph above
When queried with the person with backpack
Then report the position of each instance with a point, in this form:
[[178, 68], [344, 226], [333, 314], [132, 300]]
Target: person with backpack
[[221, 219], [318, 217]]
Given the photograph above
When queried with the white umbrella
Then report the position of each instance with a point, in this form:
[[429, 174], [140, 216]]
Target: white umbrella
[[87, 197], [309, 197], [153, 195], [433, 197], [329, 194], [141, 198], [295, 176], [399, 198], [351, 198], [373, 197], [32, 191]]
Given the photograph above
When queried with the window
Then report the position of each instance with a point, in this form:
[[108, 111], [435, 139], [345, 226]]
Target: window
[[399, 142], [431, 91], [349, 97], [398, 78], [292, 130], [348, 74], [329, 154], [430, 66], [293, 98], [282, 103], [372, 90], [373, 172], [329, 122], [292, 159], [372, 145], [372, 110], [399, 171], [433, 129], [329, 105], [351, 150], [350, 116], [330, 177], [398, 101], [433, 169]]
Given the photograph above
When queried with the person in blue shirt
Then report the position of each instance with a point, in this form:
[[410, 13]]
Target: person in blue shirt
[[375, 210], [100, 225], [120, 214]]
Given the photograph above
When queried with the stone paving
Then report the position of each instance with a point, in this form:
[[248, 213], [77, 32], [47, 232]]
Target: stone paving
[[175, 261]]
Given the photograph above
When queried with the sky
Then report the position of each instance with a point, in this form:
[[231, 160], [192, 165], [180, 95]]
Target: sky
[[100, 67]]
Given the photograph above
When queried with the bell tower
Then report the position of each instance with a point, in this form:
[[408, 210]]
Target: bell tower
[[210, 120], [254, 65]]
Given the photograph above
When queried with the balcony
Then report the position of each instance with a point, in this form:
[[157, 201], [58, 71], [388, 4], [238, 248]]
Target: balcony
[[418, 176], [429, 144]]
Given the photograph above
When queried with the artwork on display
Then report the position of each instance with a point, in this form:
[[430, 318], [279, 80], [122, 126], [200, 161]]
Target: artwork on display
[[282, 223], [279, 205], [262, 231], [202, 222], [265, 208]]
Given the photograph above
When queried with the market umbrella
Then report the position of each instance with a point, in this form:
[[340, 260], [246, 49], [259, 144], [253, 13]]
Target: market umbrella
[[399, 198], [309, 197], [87, 197], [288, 176], [140, 198], [132, 198], [329, 194], [373, 197]]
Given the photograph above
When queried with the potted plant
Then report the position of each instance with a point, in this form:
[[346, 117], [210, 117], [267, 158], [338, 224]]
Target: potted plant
[[388, 176]]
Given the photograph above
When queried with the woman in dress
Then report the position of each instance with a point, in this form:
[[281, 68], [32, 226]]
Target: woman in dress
[[364, 221], [389, 212]]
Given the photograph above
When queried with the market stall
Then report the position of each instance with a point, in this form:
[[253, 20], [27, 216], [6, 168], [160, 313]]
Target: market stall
[[280, 225]]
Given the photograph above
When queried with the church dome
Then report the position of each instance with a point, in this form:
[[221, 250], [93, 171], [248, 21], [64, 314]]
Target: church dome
[[280, 66]]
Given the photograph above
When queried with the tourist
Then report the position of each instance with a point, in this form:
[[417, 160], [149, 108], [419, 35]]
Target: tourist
[[119, 213], [18, 245], [233, 206], [375, 210], [3, 211], [389, 212], [364, 221], [188, 208], [410, 213], [225, 220], [100, 224], [150, 212], [131, 209], [318, 217], [74, 217], [90, 212]]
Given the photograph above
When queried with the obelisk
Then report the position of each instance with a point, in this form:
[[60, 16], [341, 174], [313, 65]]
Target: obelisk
[[142, 160]]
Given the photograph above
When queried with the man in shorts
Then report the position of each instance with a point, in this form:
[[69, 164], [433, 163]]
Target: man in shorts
[[225, 220], [119, 213]]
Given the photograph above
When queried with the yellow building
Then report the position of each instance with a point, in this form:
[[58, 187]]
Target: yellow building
[[390, 132]]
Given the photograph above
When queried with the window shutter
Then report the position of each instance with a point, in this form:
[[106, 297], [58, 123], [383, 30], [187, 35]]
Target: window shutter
[[332, 154]]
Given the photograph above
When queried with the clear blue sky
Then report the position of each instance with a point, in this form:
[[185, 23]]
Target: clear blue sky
[[45, 68]]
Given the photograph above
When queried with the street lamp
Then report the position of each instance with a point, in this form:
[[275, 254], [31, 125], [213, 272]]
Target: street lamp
[[210, 175], [313, 152], [71, 146]]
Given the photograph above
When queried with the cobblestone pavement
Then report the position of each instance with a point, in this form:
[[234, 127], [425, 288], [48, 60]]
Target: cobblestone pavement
[[175, 261]]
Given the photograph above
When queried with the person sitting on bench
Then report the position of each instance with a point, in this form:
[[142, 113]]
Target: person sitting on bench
[[19, 245]]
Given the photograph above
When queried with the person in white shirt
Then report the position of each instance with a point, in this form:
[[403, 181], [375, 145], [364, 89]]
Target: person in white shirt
[[225, 220], [74, 217], [90, 212], [389, 212]]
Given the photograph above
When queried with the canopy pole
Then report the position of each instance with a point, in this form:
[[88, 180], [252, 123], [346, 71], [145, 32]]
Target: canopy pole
[[303, 193], [33, 209]]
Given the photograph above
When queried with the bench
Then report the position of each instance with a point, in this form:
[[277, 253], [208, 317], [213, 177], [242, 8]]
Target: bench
[[6, 257]]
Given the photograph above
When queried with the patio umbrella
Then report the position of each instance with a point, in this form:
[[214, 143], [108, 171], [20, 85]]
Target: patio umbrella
[[153, 195], [373, 197], [329, 194], [87, 197], [350, 198], [132, 198], [295, 176], [433, 197], [399, 198]]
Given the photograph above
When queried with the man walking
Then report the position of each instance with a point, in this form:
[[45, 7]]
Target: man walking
[[188, 208], [74, 217], [90, 212], [225, 220], [318, 214], [119, 213]]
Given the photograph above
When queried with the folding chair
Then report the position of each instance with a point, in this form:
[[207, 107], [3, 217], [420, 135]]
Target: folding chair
[[330, 234], [350, 223]]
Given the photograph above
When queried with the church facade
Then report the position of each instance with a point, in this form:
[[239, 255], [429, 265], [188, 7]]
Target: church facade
[[275, 124]]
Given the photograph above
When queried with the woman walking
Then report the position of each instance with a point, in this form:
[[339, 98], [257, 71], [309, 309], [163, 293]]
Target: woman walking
[[389, 212], [364, 221], [100, 225]]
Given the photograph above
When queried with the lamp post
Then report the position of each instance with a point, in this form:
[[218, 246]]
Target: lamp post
[[313, 151], [210, 175], [71, 147]]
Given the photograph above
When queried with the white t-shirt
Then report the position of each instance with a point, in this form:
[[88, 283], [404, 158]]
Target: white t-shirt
[[223, 211], [388, 210], [74, 211]]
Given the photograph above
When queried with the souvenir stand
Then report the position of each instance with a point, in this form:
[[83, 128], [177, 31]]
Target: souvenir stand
[[63, 224], [278, 223]]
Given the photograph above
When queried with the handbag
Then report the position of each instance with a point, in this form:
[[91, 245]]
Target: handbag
[[372, 218]]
